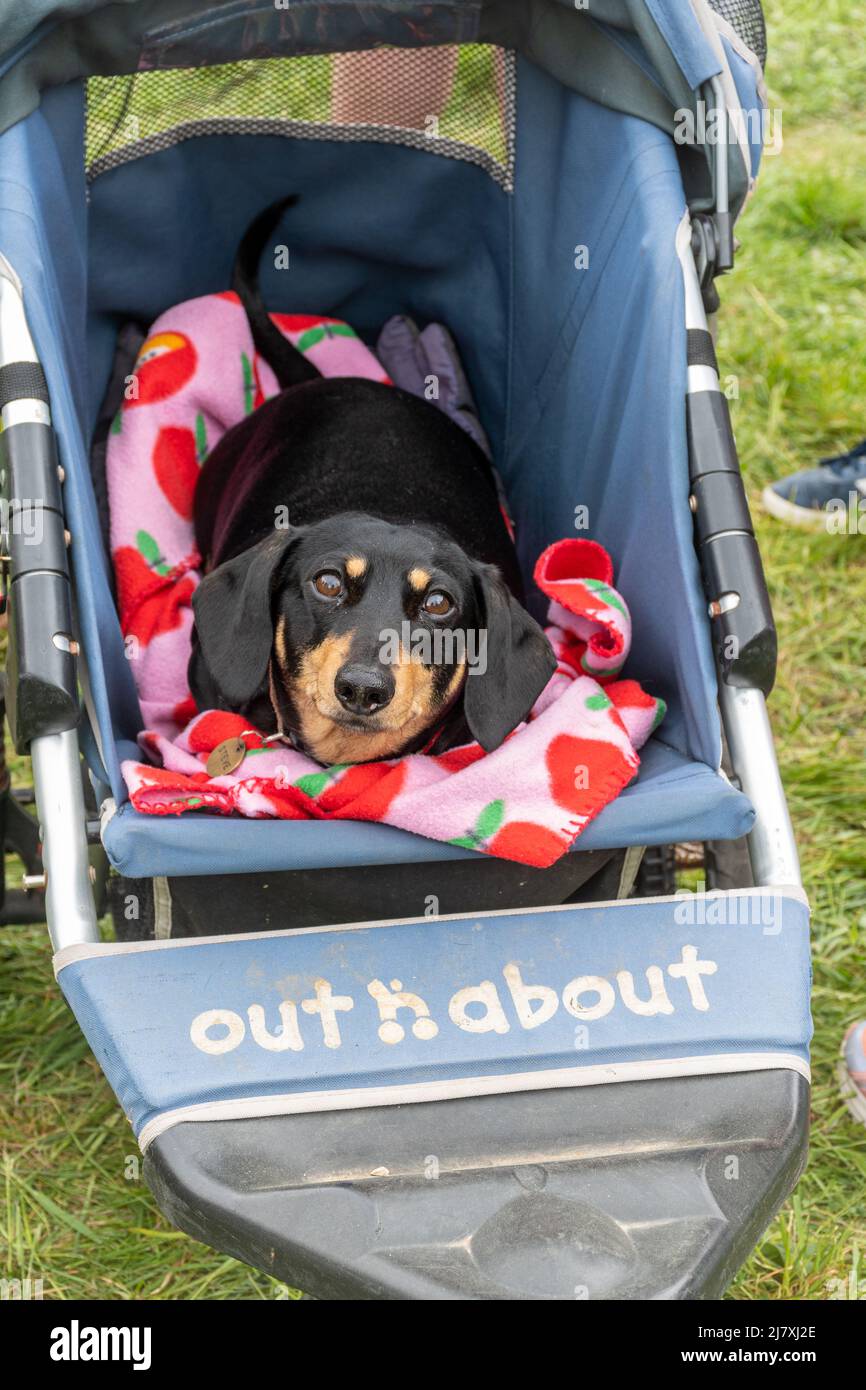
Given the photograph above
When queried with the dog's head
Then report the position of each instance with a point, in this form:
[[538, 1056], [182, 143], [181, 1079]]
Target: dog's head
[[368, 637]]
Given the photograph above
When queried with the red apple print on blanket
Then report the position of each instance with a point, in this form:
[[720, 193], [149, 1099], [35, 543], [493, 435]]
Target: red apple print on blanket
[[164, 365], [176, 465], [297, 323], [134, 577], [302, 323], [150, 599], [215, 726], [164, 777], [581, 768], [184, 711], [457, 758], [528, 843], [367, 789]]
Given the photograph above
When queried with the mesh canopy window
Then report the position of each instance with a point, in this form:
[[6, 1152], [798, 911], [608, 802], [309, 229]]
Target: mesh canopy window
[[746, 18], [449, 100]]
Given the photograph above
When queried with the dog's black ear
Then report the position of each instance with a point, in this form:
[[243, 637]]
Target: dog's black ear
[[233, 621], [520, 662]]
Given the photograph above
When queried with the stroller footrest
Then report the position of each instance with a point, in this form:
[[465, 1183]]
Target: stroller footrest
[[652, 1189]]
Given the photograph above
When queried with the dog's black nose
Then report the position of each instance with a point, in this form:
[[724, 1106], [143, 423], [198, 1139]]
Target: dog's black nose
[[363, 689]]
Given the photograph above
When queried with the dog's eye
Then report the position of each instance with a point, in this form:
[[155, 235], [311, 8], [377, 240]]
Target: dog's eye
[[328, 583], [438, 604]]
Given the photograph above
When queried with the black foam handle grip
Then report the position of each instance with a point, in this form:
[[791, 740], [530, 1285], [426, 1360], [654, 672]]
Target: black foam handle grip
[[42, 690], [22, 381], [744, 634]]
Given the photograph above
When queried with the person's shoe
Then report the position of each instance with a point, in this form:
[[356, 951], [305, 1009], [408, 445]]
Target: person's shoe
[[803, 498], [852, 1071]]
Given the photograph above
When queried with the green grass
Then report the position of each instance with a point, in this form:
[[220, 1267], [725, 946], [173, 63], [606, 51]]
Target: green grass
[[75, 1212]]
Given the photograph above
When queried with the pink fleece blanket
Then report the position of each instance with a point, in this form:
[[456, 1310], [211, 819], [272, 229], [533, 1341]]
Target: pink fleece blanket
[[196, 375]]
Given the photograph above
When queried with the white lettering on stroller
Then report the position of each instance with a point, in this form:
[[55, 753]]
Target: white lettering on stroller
[[477, 1008]]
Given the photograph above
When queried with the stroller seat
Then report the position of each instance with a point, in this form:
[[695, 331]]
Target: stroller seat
[[673, 798]]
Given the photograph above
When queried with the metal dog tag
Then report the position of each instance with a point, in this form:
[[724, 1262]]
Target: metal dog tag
[[227, 756]]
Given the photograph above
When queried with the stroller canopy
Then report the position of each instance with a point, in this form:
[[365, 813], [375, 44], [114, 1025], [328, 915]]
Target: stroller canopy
[[649, 58]]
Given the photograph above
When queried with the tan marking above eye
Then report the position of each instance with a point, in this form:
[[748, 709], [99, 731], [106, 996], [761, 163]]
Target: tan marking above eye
[[419, 579], [356, 565]]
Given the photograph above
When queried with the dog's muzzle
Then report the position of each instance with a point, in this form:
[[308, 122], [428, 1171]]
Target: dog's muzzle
[[363, 690]]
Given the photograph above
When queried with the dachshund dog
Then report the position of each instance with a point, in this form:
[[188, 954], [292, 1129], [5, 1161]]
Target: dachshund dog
[[386, 617]]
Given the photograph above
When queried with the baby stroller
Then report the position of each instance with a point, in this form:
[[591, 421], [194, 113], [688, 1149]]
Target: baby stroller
[[563, 198]]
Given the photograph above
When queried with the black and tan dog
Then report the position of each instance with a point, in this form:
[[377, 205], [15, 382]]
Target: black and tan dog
[[395, 533]]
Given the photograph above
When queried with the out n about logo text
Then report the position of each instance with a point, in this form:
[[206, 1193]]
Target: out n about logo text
[[489, 1006]]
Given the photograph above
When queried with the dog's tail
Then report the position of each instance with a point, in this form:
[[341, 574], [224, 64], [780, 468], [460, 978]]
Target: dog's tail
[[288, 364]]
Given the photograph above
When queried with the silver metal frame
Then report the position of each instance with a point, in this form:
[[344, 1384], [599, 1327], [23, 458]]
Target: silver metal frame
[[772, 847], [56, 758], [16, 345], [69, 907]]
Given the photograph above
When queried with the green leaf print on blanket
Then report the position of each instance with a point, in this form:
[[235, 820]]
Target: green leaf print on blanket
[[151, 552], [314, 783], [486, 826], [200, 438], [249, 384], [323, 332], [605, 593]]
